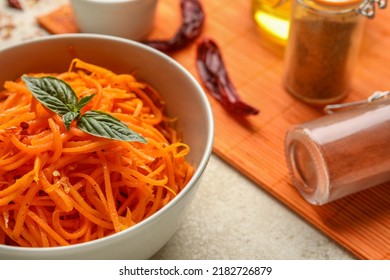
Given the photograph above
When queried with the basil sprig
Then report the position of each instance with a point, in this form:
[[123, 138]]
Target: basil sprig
[[59, 97]]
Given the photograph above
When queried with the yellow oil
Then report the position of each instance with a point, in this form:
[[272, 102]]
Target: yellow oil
[[273, 18]]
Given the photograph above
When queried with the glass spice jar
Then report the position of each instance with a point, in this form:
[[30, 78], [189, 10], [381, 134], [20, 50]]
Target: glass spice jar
[[341, 153], [322, 48]]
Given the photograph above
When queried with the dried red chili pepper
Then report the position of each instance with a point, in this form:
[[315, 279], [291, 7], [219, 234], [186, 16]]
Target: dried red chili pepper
[[15, 4], [213, 73], [192, 22]]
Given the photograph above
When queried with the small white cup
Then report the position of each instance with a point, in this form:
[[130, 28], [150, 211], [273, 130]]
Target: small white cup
[[131, 19]]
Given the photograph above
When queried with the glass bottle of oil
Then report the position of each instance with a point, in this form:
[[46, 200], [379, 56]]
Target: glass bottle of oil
[[273, 18]]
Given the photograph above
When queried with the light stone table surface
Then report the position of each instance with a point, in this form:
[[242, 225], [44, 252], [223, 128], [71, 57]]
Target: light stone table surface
[[230, 217]]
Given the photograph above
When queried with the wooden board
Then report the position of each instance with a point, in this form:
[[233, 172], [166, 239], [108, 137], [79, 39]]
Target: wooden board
[[360, 223]]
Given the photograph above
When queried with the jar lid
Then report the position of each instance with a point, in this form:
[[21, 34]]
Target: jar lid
[[364, 7], [338, 3]]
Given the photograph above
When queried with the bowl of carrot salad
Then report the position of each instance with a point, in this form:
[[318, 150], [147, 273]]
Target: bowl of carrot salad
[[103, 143]]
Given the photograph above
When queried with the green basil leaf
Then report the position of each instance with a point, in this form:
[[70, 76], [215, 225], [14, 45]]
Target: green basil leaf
[[54, 93], [84, 101], [104, 125], [59, 97], [69, 117]]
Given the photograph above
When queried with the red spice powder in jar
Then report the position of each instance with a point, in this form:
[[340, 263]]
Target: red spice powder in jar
[[340, 154]]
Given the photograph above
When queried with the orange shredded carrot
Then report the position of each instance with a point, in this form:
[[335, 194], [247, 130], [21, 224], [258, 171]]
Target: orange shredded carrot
[[61, 187]]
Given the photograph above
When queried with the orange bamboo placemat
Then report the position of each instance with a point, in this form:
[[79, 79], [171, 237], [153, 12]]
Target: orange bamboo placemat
[[360, 223]]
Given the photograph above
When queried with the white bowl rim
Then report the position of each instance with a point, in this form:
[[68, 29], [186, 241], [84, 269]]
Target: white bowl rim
[[196, 176]]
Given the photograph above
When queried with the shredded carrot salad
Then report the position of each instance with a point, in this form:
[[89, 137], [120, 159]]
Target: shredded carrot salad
[[60, 187]]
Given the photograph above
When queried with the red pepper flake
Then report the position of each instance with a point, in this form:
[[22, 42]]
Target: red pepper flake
[[192, 22], [15, 4], [213, 73], [24, 125]]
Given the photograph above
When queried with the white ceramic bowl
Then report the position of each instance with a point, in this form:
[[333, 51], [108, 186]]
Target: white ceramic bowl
[[185, 99], [131, 19]]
